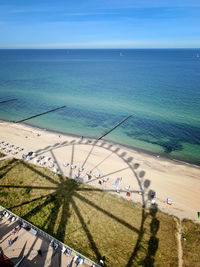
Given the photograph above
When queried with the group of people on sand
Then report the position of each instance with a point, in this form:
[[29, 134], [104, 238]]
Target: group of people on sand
[[10, 242], [77, 260], [14, 231], [53, 244]]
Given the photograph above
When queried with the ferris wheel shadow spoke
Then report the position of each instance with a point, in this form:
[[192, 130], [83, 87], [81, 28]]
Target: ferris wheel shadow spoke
[[38, 208], [30, 167], [87, 201], [86, 230]]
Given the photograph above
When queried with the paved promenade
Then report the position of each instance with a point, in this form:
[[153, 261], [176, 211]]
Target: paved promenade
[[27, 244]]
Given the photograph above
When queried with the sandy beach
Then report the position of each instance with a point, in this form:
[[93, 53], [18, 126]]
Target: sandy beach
[[138, 171]]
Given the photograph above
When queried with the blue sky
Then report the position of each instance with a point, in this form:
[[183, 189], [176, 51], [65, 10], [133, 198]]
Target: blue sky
[[100, 24]]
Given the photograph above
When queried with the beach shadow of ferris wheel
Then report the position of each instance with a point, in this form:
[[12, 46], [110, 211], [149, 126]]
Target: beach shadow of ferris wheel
[[143, 185], [67, 191], [153, 243]]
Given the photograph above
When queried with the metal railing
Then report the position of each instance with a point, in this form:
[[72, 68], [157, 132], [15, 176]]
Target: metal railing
[[49, 237]]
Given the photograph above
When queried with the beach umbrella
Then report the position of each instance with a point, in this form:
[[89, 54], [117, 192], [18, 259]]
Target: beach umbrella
[[127, 186]]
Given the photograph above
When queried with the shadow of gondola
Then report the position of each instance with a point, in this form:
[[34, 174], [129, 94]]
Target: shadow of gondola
[[153, 240]]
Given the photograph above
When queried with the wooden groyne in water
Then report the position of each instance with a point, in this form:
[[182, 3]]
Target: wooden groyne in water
[[9, 100], [40, 114], [117, 125]]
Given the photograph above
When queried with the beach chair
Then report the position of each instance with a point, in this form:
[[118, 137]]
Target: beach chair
[[140, 192], [118, 190], [73, 166], [105, 179], [117, 182], [97, 175], [127, 187], [169, 201]]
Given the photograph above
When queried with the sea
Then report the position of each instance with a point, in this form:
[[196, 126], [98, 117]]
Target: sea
[[160, 88]]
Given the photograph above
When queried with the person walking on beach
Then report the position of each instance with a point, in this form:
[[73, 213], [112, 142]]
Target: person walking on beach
[[10, 241], [78, 261], [70, 263], [14, 230]]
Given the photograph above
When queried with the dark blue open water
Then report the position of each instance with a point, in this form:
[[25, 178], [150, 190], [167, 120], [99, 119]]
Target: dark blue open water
[[161, 88]]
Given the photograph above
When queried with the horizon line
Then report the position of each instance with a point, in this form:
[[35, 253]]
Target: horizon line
[[114, 48]]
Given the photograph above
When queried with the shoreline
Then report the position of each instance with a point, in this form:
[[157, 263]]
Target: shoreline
[[169, 179], [135, 149]]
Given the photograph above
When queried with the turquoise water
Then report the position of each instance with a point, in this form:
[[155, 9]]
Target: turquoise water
[[161, 88]]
